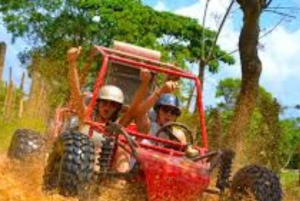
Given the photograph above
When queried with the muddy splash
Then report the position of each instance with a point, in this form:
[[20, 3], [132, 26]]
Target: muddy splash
[[22, 181]]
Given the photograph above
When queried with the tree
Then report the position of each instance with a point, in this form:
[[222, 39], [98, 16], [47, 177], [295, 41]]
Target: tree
[[228, 89], [251, 70], [60, 24], [290, 140], [54, 26]]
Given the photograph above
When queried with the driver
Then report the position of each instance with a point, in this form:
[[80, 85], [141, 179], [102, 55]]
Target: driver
[[166, 109]]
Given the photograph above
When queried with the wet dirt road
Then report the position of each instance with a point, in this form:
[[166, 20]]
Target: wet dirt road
[[23, 182]]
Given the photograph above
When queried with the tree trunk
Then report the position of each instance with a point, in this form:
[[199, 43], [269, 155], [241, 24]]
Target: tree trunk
[[201, 75], [251, 70], [201, 71], [2, 58]]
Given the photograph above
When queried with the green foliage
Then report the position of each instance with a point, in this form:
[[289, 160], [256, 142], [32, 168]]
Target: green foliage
[[290, 140], [262, 141], [54, 73], [60, 24], [268, 137], [289, 181], [17, 95], [228, 89], [9, 127], [54, 26], [263, 138], [2, 92]]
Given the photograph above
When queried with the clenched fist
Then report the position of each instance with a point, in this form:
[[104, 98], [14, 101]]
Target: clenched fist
[[169, 87], [73, 54], [145, 75]]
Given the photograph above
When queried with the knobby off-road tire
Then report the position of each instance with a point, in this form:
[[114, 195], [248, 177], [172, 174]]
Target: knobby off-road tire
[[70, 165], [225, 169], [256, 183], [24, 144]]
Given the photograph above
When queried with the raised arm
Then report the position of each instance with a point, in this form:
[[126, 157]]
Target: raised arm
[[141, 115], [73, 80], [168, 87], [145, 76]]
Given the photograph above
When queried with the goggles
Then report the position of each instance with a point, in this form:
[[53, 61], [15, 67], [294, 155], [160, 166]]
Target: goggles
[[171, 110]]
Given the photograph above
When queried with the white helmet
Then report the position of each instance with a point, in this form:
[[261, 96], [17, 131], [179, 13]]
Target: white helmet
[[111, 93]]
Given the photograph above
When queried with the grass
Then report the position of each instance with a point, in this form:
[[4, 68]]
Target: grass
[[7, 128], [289, 181]]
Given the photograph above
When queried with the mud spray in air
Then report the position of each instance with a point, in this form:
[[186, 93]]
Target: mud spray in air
[[22, 181]]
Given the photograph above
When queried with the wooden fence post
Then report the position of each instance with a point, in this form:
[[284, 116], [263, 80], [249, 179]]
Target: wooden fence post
[[32, 102], [21, 107], [9, 98], [21, 103], [2, 58], [22, 82]]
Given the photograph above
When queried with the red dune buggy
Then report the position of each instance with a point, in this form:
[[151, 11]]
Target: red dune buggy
[[182, 172]]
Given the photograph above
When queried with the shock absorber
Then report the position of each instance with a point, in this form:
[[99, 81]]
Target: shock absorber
[[107, 149]]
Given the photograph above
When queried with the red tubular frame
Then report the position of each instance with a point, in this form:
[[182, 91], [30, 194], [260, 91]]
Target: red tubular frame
[[58, 120], [153, 65]]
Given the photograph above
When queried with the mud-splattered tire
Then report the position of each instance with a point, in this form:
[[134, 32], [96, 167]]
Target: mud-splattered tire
[[70, 165], [24, 144], [256, 183], [225, 169]]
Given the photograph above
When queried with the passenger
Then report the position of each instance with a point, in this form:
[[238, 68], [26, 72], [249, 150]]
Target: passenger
[[110, 98], [109, 103]]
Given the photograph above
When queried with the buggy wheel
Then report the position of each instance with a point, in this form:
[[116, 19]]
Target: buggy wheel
[[70, 165], [225, 169], [257, 183], [24, 143]]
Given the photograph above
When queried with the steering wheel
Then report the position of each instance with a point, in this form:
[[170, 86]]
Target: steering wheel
[[168, 130]]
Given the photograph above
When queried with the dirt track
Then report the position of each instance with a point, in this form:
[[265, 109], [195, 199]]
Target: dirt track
[[22, 182]]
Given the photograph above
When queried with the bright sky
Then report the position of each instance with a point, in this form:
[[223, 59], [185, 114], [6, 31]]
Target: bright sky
[[11, 59], [280, 54]]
